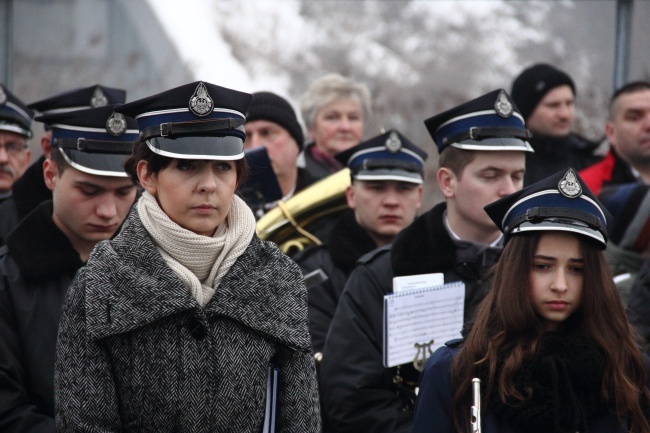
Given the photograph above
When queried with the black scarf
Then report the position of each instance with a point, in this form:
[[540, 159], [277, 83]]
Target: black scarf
[[564, 378]]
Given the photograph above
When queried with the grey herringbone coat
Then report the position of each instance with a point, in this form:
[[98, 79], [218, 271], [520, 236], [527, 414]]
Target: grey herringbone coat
[[136, 353]]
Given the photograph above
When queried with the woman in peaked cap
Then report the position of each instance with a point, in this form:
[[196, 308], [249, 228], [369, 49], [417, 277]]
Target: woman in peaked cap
[[186, 321], [550, 343]]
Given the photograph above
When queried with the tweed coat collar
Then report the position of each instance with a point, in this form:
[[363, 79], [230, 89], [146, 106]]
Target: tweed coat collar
[[128, 285]]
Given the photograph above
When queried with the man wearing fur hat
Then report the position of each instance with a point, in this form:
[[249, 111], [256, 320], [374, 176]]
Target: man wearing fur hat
[[545, 97], [271, 122]]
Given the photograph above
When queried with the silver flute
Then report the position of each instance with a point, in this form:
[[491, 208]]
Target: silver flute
[[475, 418]]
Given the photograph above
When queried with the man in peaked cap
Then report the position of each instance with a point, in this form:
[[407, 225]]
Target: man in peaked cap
[[545, 95], [91, 196], [384, 196], [482, 145], [15, 130], [30, 190]]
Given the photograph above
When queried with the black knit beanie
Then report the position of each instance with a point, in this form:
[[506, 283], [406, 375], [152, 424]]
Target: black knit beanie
[[534, 82], [274, 108]]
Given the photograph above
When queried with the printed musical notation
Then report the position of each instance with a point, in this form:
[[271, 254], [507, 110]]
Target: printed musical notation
[[419, 316]]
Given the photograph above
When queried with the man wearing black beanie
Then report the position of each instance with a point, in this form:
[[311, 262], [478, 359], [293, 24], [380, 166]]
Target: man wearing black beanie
[[545, 97], [271, 122]]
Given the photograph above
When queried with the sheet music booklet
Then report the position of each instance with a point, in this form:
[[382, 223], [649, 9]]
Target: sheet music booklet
[[426, 314]]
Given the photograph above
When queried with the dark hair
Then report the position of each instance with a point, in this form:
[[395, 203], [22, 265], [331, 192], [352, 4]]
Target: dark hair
[[456, 159], [632, 87], [156, 163], [507, 328], [59, 160]]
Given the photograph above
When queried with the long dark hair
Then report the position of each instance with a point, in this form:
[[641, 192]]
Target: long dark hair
[[155, 163], [506, 327]]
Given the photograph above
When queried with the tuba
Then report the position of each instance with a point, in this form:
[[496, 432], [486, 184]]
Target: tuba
[[305, 218]]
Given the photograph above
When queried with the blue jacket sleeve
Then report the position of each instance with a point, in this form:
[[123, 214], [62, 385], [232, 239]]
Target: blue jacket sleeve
[[433, 407]]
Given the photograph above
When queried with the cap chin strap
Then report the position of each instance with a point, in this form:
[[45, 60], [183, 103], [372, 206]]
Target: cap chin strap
[[477, 133], [540, 214], [194, 127], [373, 164], [95, 146]]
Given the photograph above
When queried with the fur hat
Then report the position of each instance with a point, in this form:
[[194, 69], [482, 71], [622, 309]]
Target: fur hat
[[274, 108], [534, 83]]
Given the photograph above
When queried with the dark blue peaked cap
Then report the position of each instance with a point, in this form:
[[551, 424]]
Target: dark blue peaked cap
[[79, 99], [561, 202], [94, 140], [389, 156], [489, 123], [194, 121], [15, 116]]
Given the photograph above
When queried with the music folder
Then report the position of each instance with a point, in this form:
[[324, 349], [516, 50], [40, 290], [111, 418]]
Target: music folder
[[261, 186], [421, 319]]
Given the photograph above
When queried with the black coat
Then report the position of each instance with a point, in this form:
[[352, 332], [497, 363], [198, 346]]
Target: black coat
[[28, 191], [36, 268], [137, 353], [358, 392], [316, 169], [638, 305], [347, 242], [553, 154]]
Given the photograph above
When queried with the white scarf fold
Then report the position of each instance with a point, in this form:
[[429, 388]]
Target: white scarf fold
[[199, 261]]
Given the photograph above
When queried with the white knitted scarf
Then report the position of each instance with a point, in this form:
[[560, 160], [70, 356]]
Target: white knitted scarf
[[199, 261]]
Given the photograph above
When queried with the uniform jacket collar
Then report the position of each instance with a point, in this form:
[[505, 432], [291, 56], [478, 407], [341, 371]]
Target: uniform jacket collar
[[128, 286], [348, 241], [425, 246], [39, 248], [30, 190]]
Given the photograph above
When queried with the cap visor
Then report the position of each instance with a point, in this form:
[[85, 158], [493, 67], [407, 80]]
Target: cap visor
[[225, 148], [562, 227], [95, 163], [497, 143], [15, 129], [387, 174]]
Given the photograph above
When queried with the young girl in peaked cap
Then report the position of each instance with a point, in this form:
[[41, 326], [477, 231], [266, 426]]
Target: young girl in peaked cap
[[550, 343]]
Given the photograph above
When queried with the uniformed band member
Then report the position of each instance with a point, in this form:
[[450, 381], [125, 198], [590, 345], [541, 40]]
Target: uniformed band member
[[550, 344], [15, 130], [384, 197], [183, 321], [30, 189], [482, 145], [91, 196]]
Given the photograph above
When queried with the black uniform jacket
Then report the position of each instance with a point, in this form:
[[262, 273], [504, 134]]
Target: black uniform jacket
[[36, 267], [347, 242], [27, 193], [553, 154], [358, 392]]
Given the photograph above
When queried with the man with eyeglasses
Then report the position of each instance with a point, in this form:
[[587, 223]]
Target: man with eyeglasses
[[15, 130]]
